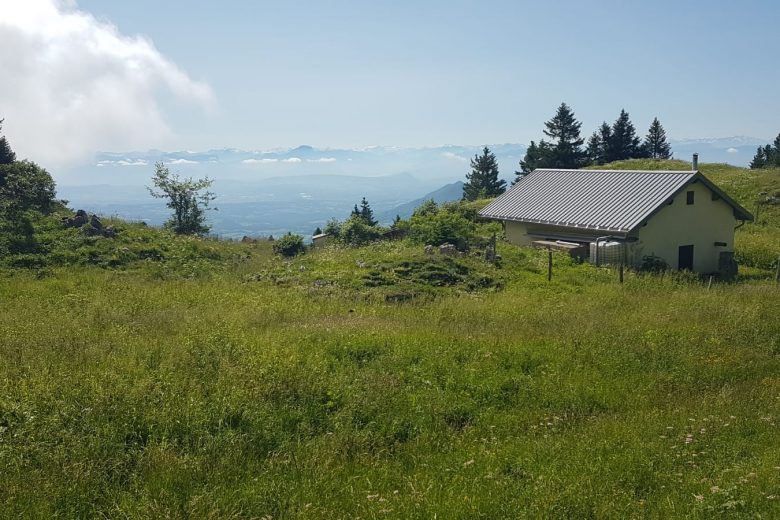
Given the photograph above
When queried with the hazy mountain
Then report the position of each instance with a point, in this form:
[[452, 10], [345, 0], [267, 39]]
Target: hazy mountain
[[298, 189], [450, 192]]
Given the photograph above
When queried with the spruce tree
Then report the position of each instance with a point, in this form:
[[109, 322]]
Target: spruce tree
[[317, 231], [656, 145], [774, 160], [482, 181], [597, 144], [535, 157], [366, 213], [565, 150], [7, 156], [623, 143], [759, 160]]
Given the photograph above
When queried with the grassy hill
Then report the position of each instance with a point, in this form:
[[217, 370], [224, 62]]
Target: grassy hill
[[156, 376]]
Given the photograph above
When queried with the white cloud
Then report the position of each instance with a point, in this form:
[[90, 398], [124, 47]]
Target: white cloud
[[732, 150], [292, 160], [259, 161], [182, 161], [72, 85], [323, 159], [124, 162], [450, 155]]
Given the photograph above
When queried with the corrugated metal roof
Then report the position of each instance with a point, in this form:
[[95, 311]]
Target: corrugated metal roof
[[613, 201]]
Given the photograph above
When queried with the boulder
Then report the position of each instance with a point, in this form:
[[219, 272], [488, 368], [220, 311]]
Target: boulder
[[78, 220], [448, 250], [429, 249], [95, 222]]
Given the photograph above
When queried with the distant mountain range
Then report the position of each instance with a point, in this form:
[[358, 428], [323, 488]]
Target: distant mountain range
[[298, 189], [448, 193]]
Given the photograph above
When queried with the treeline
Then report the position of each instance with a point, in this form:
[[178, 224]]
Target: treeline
[[565, 148], [617, 142], [767, 156]]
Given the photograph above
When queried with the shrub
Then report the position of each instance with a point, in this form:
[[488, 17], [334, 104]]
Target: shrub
[[653, 264], [356, 232], [443, 226], [289, 245]]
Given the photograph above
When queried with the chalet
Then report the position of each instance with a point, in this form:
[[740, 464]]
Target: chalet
[[678, 216]]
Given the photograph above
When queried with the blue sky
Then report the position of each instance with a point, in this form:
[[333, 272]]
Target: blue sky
[[403, 73]]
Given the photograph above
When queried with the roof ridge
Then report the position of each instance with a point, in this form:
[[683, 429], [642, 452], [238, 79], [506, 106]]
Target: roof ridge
[[688, 172]]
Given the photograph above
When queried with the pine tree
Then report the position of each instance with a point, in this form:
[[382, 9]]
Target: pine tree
[[656, 145], [774, 160], [623, 144], [317, 231], [366, 213], [759, 160], [534, 158], [7, 156], [483, 179], [597, 144], [565, 150], [355, 212]]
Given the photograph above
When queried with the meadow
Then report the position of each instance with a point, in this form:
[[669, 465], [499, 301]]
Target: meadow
[[151, 376]]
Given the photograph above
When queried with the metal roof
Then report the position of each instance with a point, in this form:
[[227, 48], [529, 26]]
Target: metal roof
[[610, 201]]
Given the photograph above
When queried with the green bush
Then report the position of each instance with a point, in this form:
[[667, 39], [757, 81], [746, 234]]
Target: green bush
[[446, 225], [289, 245], [356, 232]]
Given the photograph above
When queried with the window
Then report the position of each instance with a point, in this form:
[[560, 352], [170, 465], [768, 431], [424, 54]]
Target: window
[[689, 198]]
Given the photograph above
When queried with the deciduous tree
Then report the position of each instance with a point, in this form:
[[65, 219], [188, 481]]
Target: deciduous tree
[[188, 198]]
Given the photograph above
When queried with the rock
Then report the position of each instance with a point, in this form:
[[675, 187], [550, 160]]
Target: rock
[[448, 250], [361, 264], [78, 220], [429, 249], [95, 221]]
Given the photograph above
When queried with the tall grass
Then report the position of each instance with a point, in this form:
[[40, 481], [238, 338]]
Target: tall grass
[[261, 391]]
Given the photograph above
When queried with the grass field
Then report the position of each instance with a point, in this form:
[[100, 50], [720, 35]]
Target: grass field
[[157, 377]]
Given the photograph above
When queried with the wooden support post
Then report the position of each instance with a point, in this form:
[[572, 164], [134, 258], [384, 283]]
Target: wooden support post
[[709, 284], [549, 265], [777, 271], [622, 259]]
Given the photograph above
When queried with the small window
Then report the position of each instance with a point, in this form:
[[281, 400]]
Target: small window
[[689, 198], [715, 196]]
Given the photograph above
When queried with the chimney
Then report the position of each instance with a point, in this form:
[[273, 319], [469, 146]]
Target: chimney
[[695, 164]]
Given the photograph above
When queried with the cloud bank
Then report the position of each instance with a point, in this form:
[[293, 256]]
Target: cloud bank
[[72, 85]]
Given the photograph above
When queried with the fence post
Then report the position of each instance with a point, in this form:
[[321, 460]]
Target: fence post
[[777, 270], [549, 264]]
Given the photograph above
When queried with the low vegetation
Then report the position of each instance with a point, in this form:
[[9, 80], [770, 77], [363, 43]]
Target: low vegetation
[[182, 377]]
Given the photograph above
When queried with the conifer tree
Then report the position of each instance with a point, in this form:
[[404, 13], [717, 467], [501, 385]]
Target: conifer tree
[[7, 156], [775, 158], [317, 231], [656, 146], [366, 213], [598, 143], [482, 181], [565, 149], [535, 157], [759, 160], [623, 143]]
